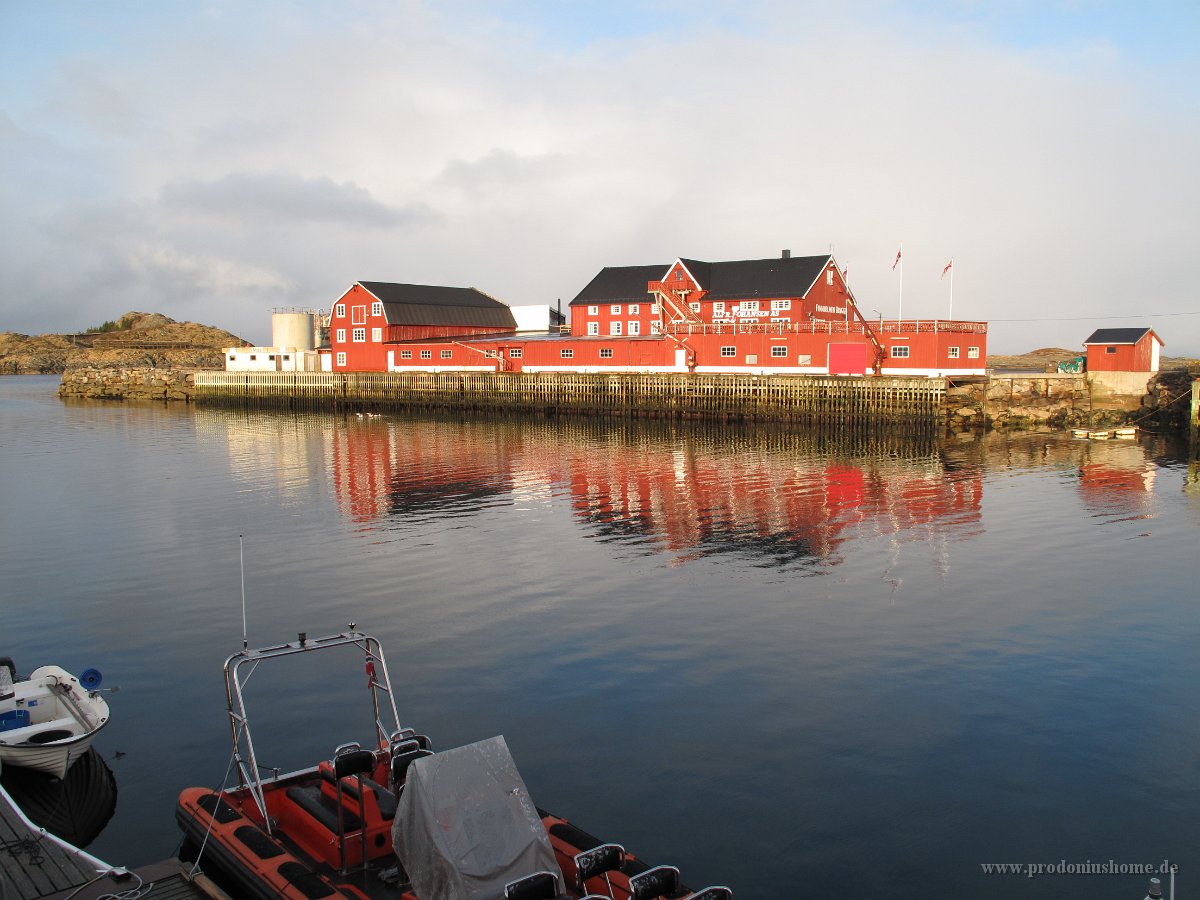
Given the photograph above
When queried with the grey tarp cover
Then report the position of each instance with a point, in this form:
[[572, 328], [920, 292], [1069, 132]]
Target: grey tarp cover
[[465, 825]]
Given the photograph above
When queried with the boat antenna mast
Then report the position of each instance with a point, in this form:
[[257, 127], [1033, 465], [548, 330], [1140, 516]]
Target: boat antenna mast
[[242, 567]]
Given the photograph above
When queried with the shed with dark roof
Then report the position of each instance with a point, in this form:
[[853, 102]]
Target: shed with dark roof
[[1123, 350]]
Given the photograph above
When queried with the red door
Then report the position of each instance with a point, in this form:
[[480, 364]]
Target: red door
[[847, 359]]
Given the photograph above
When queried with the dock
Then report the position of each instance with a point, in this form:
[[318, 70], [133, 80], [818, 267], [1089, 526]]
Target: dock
[[37, 865]]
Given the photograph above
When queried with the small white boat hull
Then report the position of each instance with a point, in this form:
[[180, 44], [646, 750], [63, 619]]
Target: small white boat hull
[[49, 721]]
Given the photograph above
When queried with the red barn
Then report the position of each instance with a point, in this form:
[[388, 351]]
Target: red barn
[[373, 316], [1123, 350]]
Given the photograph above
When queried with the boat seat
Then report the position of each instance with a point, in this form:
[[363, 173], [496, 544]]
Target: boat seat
[[321, 807], [660, 881], [402, 761], [597, 862], [385, 800], [711, 893], [538, 886]]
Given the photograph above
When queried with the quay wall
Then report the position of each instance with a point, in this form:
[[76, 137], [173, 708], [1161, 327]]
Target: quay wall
[[1013, 402], [145, 383]]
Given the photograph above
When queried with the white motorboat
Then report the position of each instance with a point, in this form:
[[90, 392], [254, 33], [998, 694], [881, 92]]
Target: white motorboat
[[48, 720]]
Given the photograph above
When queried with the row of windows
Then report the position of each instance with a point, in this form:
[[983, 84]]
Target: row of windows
[[634, 328], [254, 357], [359, 335], [358, 313], [902, 352], [635, 309]]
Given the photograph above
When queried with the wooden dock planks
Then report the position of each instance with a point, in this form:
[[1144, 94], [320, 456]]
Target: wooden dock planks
[[34, 864], [825, 399]]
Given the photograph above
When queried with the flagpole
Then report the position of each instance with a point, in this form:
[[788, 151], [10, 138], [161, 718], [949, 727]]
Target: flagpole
[[951, 289], [900, 309]]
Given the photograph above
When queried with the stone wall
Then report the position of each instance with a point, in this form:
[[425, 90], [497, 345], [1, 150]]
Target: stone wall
[[1024, 402], [128, 384]]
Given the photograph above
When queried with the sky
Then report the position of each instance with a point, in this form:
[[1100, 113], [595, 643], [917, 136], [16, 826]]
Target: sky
[[216, 160]]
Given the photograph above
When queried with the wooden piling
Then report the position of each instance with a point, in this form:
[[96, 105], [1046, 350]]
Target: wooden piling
[[826, 400]]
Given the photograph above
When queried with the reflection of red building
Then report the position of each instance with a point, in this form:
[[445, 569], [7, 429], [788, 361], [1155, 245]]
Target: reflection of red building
[[1117, 479], [685, 497]]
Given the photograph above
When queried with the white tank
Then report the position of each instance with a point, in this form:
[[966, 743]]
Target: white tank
[[292, 329]]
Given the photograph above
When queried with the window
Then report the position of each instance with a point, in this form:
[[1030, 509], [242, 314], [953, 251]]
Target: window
[[634, 327], [780, 319], [232, 358], [614, 327], [635, 309], [516, 352], [567, 354], [447, 354], [729, 351], [341, 359], [900, 352], [377, 308], [271, 357], [615, 309], [804, 359], [341, 335], [1110, 349], [377, 335], [426, 354], [286, 357], [406, 354], [695, 307], [339, 311], [359, 335], [655, 328], [752, 359], [781, 304], [829, 277], [654, 309], [593, 310], [749, 306], [253, 357], [358, 315], [679, 274], [778, 352], [719, 308], [952, 352], [606, 352], [593, 327], [972, 353]]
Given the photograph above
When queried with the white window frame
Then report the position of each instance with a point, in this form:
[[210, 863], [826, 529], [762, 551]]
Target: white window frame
[[406, 354], [447, 354], [900, 351], [804, 359], [654, 309], [340, 336], [358, 336], [972, 353], [606, 352], [728, 352], [694, 307], [719, 308], [566, 353], [635, 309], [779, 350], [829, 277], [377, 308], [593, 327], [952, 352], [593, 310], [426, 354], [781, 304], [614, 327], [749, 306], [633, 328], [339, 311], [377, 335], [341, 358], [615, 309], [516, 352]]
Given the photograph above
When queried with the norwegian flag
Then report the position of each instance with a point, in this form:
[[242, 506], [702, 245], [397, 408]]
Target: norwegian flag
[[897, 262], [949, 266]]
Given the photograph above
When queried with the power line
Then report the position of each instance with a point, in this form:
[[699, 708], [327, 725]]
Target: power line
[[1098, 318]]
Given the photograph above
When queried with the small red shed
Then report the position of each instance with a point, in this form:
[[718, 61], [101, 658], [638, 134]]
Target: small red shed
[[1123, 350]]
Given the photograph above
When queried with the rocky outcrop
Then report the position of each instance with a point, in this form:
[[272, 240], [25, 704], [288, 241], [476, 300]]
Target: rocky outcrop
[[128, 384]]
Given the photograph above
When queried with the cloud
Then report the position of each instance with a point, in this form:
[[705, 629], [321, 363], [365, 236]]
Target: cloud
[[521, 154]]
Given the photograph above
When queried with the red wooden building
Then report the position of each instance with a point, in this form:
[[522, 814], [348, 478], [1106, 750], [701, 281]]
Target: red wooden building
[[1123, 350], [786, 315]]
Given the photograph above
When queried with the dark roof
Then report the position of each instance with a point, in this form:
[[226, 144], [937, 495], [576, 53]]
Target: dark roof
[[733, 280], [432, 304], [1118, 335]]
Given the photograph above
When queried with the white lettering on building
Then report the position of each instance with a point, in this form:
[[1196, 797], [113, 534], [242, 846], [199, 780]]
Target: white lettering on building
[[839, 310]]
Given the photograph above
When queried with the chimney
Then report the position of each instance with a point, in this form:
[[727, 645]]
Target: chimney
[[787, 254]]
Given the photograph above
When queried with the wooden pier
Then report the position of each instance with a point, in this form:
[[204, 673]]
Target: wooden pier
[[36, 865], [810, 398]]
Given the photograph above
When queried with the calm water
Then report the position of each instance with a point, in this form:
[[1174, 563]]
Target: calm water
[[801, 667]]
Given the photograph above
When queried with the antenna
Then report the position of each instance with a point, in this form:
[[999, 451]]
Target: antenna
[[242, 564]]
